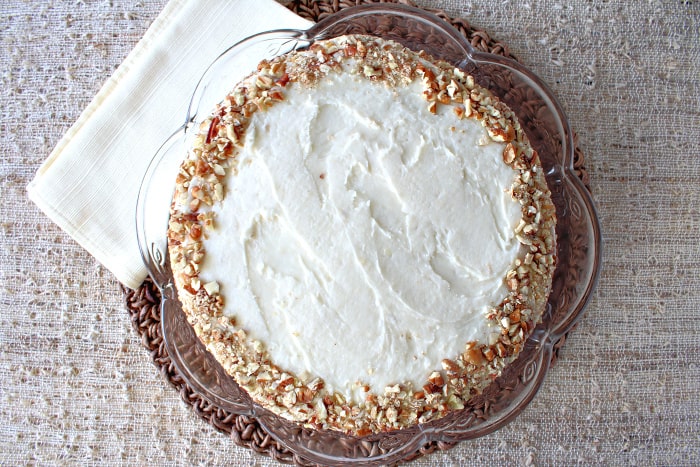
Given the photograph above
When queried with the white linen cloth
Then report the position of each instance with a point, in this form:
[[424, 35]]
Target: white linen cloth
[[89, 184]]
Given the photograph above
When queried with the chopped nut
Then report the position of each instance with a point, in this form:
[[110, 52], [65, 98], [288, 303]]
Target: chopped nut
[[474, 356], [370, 71], [509, 154], [212, 288], [449, 365], [489, 354], [436, 379], [432, 107]]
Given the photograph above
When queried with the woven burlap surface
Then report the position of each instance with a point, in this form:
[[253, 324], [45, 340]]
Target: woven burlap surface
[[77, 386]]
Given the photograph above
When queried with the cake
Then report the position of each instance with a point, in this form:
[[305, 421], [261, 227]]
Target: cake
[[362, 236]]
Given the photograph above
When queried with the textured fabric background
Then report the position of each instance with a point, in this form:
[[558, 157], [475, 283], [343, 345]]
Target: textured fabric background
[[76, 387]]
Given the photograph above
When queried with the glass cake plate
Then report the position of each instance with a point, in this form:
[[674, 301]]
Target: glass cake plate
[[578, 235]]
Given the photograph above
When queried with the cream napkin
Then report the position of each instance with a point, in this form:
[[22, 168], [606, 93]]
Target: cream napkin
[[89, 183]]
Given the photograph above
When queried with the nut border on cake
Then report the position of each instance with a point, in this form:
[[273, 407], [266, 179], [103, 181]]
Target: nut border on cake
[[200, 184]]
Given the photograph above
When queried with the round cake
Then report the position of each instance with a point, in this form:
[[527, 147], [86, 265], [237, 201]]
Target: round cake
[[362, 236]]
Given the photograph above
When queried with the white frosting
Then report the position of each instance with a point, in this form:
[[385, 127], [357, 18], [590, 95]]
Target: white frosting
[[362, 238]]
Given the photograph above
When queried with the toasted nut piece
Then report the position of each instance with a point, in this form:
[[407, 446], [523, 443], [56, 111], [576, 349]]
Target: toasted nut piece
[[512, 283], [436, 379], [501, 135], [212, 288], [501, 350], [195, 232], [515, 316], [449, 365], [304, 394], [509, 154], [474, 356]]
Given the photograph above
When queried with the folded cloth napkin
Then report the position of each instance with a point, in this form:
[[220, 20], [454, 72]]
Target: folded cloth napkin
[[90, 182]]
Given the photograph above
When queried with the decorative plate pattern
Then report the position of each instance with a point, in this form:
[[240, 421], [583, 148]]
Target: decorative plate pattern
[[246, 430]]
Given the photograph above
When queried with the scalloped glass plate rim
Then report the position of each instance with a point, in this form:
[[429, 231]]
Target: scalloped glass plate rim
[[562, 172]]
